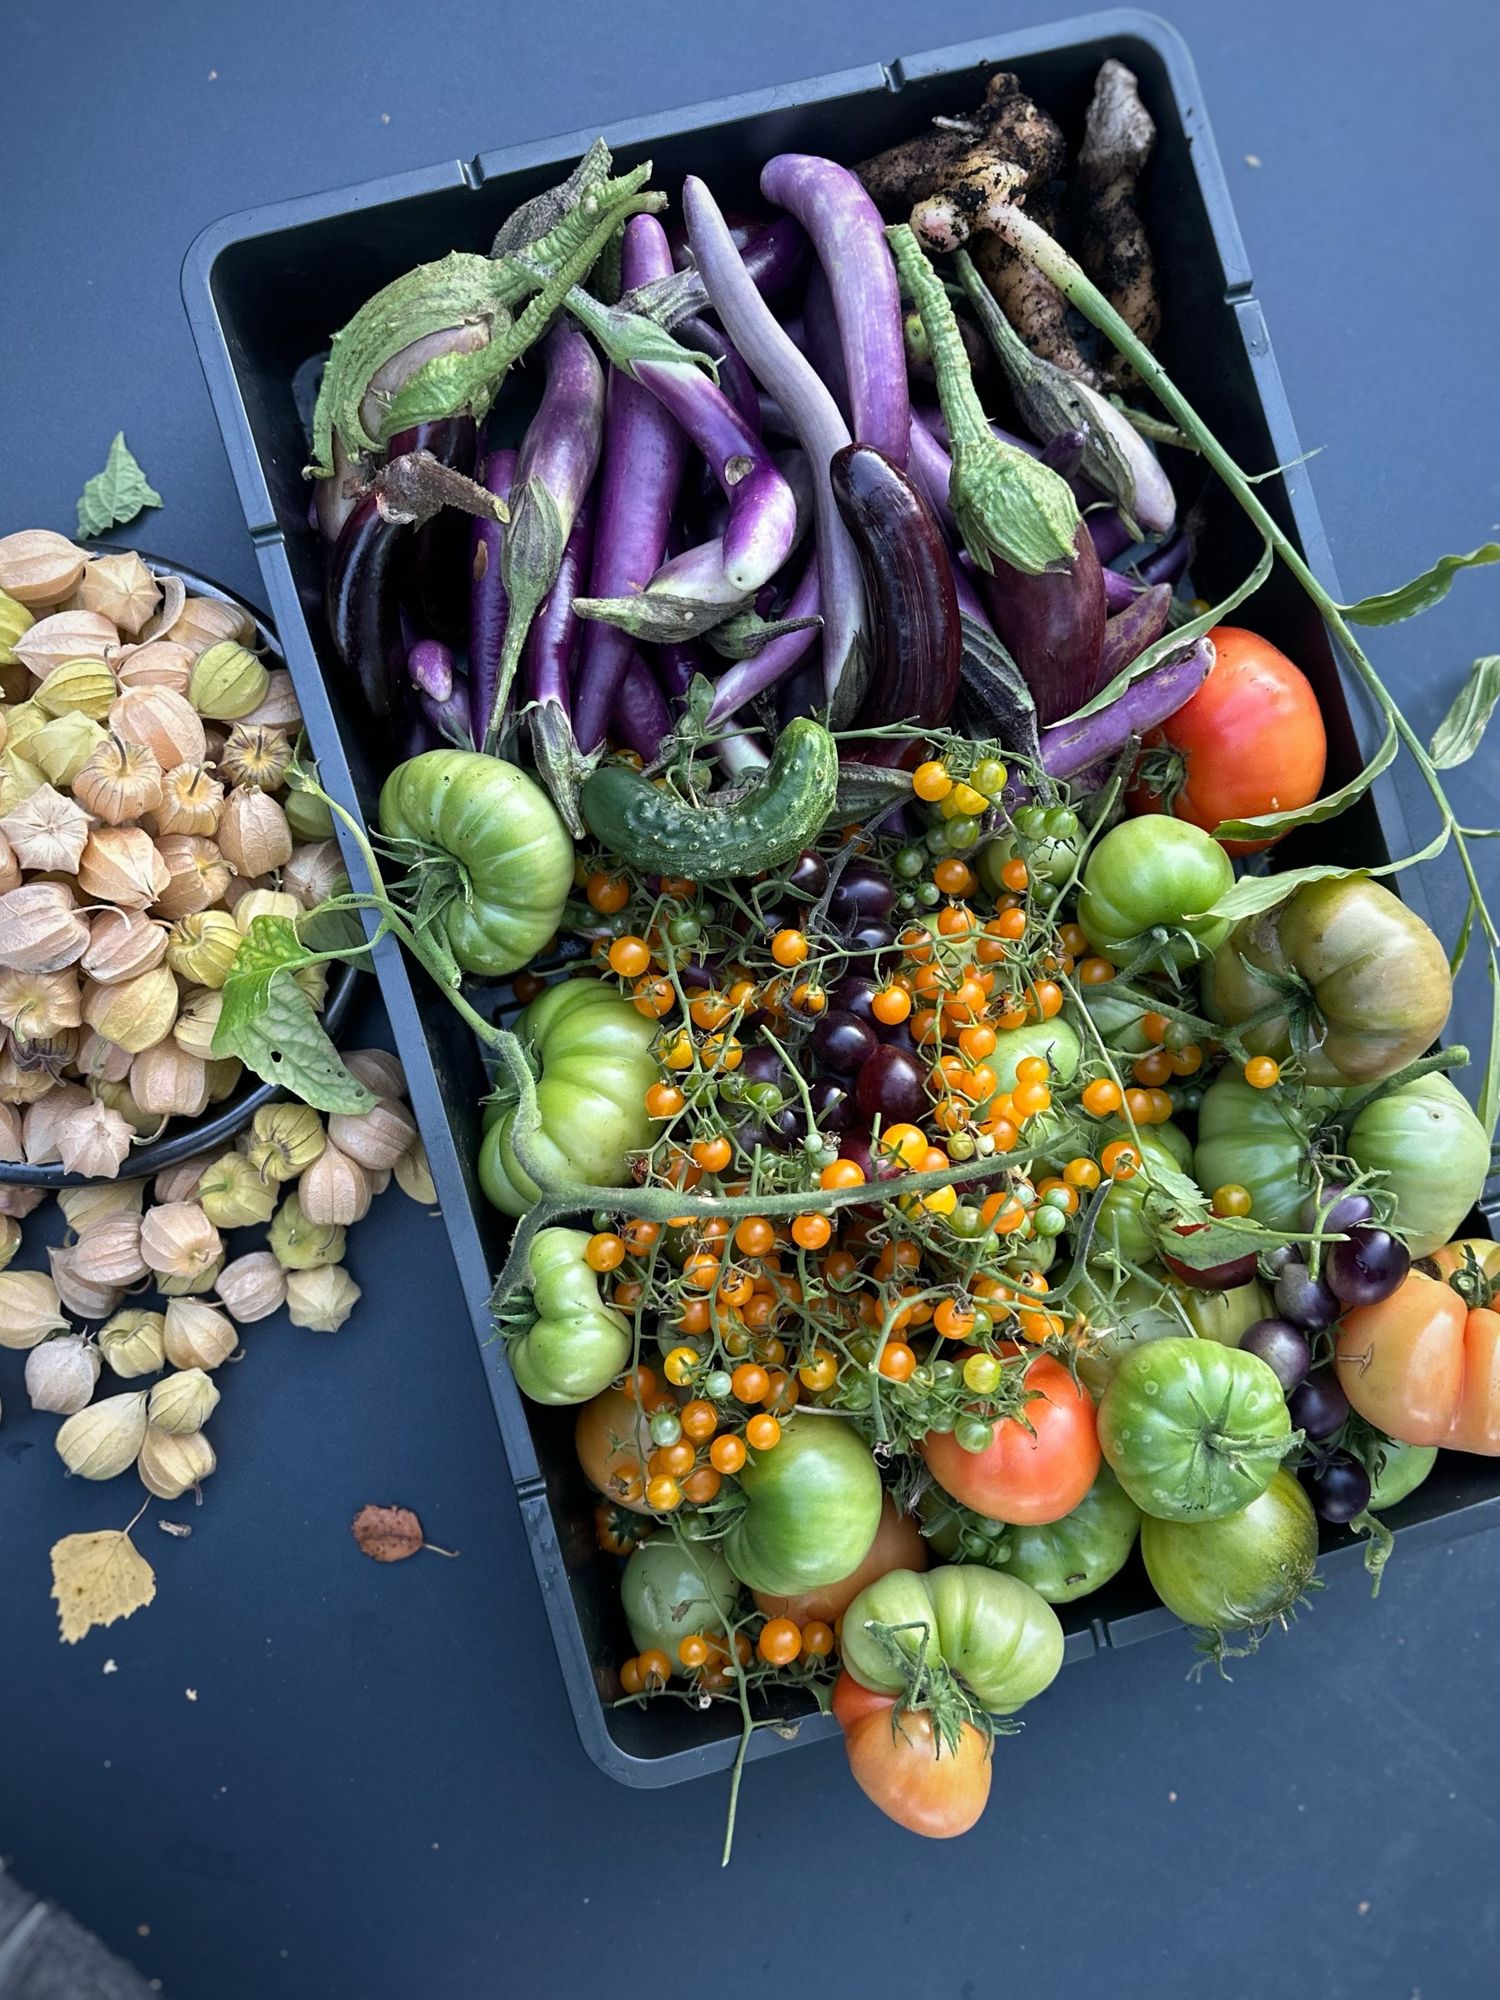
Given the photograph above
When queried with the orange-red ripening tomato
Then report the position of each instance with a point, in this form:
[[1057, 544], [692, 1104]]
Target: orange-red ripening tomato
[[1424, 1366], [902, 1770], [1252, 739], [1025, 1476]]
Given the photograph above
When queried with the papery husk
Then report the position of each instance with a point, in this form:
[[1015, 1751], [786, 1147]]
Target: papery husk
[[279, 709], [136, 1013], [41, 929], [160, 663], [265, 903], [84, 1206], [30, 1309], [198, 874], [19, 778], [313, 981], [38, 567], [256, 756], [103, 1440], [228, 681], [109, 1252], [80, 1294], [39, 1004], [233, 1196], [10, 868], [10, 1236], [202, 947], [322, 1299], [182, 1402], [61, 1374], [197, 1335], [132, 1344], [117, 1097], [121, 588], [191, 801], [204, 621], [62, 747], [99, 1061], [284, 1139], [414, 1176], [253, 835], [82, 687], [22, 721], [15, 622], [65, 635], [166, 1080], [178, 1182], [225, 1074], [171, 1466], [165, 722], [41, 1120], [300, 1244], [120, 781], [20, 1085], [173, 598], [197, 1019], [121, 865], [96, 1141], [252, 1287], [378, 1070], [315, 873], [47, 832], [122, 945], [10, 1134], [375, 1138], [179, 1241], [334, 1189]]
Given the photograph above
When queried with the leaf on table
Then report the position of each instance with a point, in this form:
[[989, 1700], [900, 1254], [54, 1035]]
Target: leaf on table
[[97, 1579], [117, 494], [1389, 607], [270, 1024], [1457, 736], [387, 1534]]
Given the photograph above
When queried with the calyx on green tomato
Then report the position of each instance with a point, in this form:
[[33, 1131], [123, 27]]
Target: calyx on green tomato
[[671, 1588], [1155, 873], [1194, 1431], [572, 1345], [1366, 983], [994, 1633], [812, 1506], [497, 839], [1037, 1466], [1061, 1560], [1433, 1154], [593, 1052], [1241, 1572]]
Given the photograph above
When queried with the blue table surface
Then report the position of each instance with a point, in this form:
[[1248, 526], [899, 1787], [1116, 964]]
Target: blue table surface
[[307, 1775]]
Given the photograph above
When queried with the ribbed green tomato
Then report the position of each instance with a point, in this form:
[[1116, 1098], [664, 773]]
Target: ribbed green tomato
[[994, 1632], [1153, 873], [593, 1053], [812, 1506], [576, 1345], [1240, 1572], [672, 1587], [498, 836], [1193, 1430], [1433, 1154], [1061, 1560], [1260, 1140]]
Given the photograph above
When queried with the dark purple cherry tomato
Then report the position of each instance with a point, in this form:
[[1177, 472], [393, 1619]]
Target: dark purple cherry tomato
[[1318, 1405], [1368, 1267], [864, 893], [842, 1042], [855, 994], [892, 1086], [1284, 1348], [1305, 1300], [1337, 1208], [1338, 1490], [833, 1107]]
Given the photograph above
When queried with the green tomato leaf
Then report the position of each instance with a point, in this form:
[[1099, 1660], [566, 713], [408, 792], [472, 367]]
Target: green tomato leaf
[[1270, 826], [1218, 1241], [1254, 893], [269, 1023], [1456, 737], [1180, 640], [117, 494], [1389, 607]]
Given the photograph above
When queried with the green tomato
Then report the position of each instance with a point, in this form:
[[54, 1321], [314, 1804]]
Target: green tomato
[[1433, 1154], [1240, 1572], [498, 836], [1053, 1039], [1122, 1315], [812, 1505], [1047, 859], [1194, 1431], [1402, 1471], [594, 1054], [994, 1632], [1117, 1019], [1224, 1316], [1261, 1140], [1062, 1561], [1124, 1227], [576, 1345], [1149, 873], [670, 1589]]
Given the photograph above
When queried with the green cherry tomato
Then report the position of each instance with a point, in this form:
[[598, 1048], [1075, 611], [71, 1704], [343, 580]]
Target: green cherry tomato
[[994, 1632], [812, 1505], [670, 1589], [594, 1054], [1403, 1467], [498, 835], [1155, 872], [1193, 1431], [1242, 1571], [576, 1345]]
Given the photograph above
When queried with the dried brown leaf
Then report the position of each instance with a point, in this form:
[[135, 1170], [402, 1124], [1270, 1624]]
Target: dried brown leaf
[[387, 1534]]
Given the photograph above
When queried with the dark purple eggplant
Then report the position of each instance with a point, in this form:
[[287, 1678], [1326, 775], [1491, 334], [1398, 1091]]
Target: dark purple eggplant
[[448, 718], [362, 601], [1167, 563], [909, 581], [430, 665], [1131, 631], [1119, 590], [1052, 625], [776, 253], [435, 564], [1072, 747], [641, 721], [643, 456], [677, 666], [1108, 533], [820, 338], [489, 607], [548, 663]]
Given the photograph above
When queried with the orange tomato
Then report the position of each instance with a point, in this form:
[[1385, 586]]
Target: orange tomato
[[1424, 1366]]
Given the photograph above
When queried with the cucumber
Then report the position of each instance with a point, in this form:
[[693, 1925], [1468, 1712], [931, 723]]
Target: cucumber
[[658, 832]]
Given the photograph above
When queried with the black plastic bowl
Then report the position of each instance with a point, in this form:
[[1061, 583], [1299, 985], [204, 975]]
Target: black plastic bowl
[[184, 1138]]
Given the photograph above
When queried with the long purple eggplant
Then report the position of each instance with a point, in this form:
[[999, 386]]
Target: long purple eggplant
[[790, 378], [489, 607], [1052, 625], [643, 455], [434, 583], [776, 252], [429, 664], [548, 675], [642, 721], [1132, 630], [820, 338], [771, 665], [909, 583], [848, 237], [363, 605], [677, 666], [735, 378], [553, 473], [1071, 747]]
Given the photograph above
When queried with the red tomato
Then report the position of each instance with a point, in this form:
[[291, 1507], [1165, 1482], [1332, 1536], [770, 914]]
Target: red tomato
[[1251, 739], [1424, 1367], [1031, 1472], [905, 1769], [898, 1544]]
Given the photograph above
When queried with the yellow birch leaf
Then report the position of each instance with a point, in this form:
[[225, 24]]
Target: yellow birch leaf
[[97, 1579]]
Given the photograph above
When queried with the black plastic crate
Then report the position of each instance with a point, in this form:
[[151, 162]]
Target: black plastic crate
[[265, 290]]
